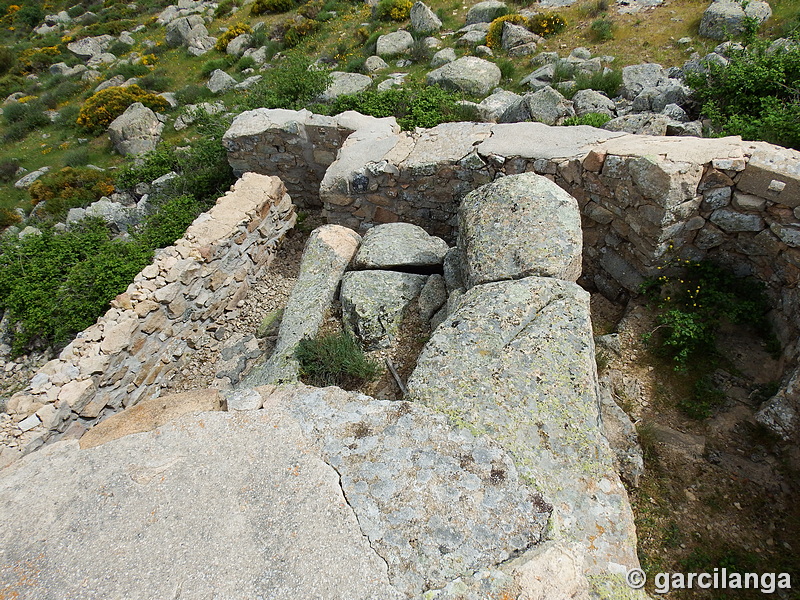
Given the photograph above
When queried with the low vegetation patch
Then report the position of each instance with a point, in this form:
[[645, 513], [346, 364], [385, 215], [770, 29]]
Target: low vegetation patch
[[592, 119], [756, 95], [335, 359], [103, 107], [412, 106], [69, 188], [291, 84]]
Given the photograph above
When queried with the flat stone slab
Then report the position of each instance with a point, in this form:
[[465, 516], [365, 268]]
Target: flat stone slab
[[397, 245], [322, 494], [537, 140], [516, 360]]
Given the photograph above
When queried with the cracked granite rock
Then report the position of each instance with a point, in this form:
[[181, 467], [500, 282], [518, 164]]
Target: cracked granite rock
[[322, 494], [436, 503], [516, 360]]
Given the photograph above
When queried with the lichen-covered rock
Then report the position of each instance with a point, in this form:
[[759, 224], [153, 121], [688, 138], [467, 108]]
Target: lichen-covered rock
[[374, 302], [486, 11], [345, 83], [518, 226], [88, 47], [591, 101], [432, 296], [136, 131], [468, 74], [327, 253], [725, 19], [516, 359], [398, 245], [640, 124], [435, 503], [392, 44], [442, 57], [423, 19]]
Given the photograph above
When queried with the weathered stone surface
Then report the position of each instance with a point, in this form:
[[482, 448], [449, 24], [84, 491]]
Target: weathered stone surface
[[486, 11], [115, 515], [374, 303], [636, 78], [392, 44], [516, 35], [517, 359], [328, 251], [640, 124], [345, 83], [548, 106], [238, 45], [494, 106], [467, 74], [731, 220], [394, 245], [442, 57], [432, 296], [435, 503], [621, 435], [150, 414], [591, 101], [190, 32], [518, 226], [423, 19], [88, 47], [773, 173], [27, 180], [725, 19], [220, 82], [375, 63], [779, 414], [77, 393], [136, 131]]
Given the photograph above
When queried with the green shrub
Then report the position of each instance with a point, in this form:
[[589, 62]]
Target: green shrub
[[60, 93], [232, 33], [547, 24], [69, 188], [311, 9], [119, 49], [156, 81], [413, 107], [606, 82], [192, 94], [334, 359], [693, 302], [29, 16], [77, 157], [508, 69], [392, 10], [299, 30], [24, 117], [495, 33], [8, 217], [291, 84], [8, 58], [261, 7], [705, 399], [68, 117], [128, 70], [112, 27], [148, 167], [54, 286], [757, 95], [592, 119], [223, 9], [106, 105], [603, 29], [244, 63], [170, 221], [8, 169], [212, 65], [11, 83]]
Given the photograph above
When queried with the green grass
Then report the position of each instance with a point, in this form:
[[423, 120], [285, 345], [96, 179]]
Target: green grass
[[335, 359]]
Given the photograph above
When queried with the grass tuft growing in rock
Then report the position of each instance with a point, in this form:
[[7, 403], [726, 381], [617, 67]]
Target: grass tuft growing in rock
[[335, 359]]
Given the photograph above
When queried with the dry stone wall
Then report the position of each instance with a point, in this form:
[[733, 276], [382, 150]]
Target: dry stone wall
[[153, 326], [645, 200]]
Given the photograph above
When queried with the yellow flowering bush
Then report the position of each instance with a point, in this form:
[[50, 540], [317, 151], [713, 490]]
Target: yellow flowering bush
[[547, 24], [232, 33], [149, 59], [495, 33], [395, 10], [106, 105]]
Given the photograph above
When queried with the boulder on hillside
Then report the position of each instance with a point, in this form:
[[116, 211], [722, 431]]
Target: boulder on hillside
[[345, 83], [398, 245], [636, 78], [486, 12], [641, 123], [86, 48], [546, 106], [592, 101], [239, 44], [442, 57], [191, 33], [375, 63], [494, 106], [392, 44], [220, 82], [725, 19], [518, 226], [423, 19], [136, 131], [467, 74], [516, 35]]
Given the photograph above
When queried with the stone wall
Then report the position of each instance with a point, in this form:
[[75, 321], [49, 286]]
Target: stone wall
[[645, 200], [153, 326]]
